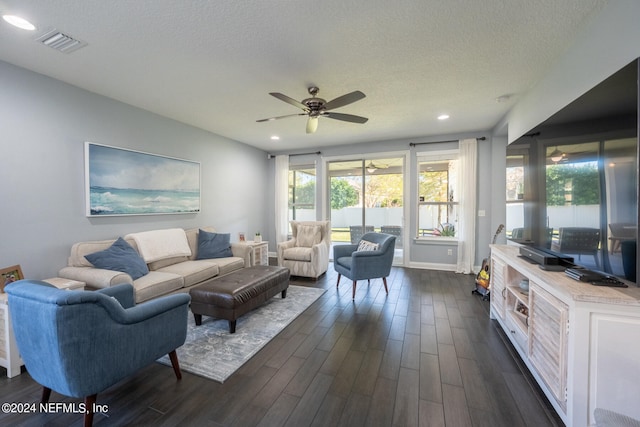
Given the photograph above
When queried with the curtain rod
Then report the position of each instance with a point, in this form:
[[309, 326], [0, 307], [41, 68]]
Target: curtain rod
[[270, 156], [413, 144]]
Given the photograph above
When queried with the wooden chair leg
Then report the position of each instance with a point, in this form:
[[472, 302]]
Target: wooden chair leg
[[176, 366], [386, 289], [89, 403], [353, 294], [338, 282], [46, 394]]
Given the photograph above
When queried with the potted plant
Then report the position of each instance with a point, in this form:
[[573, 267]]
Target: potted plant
[[445, 230], [257, 238]]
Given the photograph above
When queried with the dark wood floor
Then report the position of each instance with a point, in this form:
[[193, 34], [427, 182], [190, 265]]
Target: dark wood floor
[[426, 354]]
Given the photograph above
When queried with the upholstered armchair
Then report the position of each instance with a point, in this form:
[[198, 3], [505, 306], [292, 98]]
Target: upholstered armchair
[[370, 259], [306, 254], [79, 343]]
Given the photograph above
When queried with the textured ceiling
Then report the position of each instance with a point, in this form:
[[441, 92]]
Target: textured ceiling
[[211, 64]]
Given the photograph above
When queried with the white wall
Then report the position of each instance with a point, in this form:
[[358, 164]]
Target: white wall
[[43, 126]]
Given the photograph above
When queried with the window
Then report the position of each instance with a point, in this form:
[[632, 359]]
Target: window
[[302, 192], [438, 195]]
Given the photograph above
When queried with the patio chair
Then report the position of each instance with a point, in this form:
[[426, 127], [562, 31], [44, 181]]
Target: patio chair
[[394, 230], [356, 232], [578, 241], [620, 232]]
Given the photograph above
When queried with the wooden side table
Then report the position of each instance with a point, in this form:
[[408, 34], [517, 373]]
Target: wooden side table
[[260, 250], [9, 356]]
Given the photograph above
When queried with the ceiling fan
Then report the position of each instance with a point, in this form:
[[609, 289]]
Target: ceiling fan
[[315, 108]]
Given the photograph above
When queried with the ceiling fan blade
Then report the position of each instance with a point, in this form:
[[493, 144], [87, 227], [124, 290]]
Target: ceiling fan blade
[[343, 100], [280, 117], [346, 117], [288, 100], [312, 124]]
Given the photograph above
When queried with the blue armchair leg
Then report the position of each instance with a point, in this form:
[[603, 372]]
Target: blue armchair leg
[[89, 403], [386, 289], [174, 363], [353, 294], [338, 282]]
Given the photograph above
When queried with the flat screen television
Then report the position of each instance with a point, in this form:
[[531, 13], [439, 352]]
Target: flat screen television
[[572, 182]]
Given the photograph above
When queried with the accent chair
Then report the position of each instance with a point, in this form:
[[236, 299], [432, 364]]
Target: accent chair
[[306, 254], [79, 343], [370, 259]]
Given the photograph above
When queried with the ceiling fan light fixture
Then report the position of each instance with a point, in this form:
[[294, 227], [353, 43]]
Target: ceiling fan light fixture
[[312, 124], [556, 155], [443, 117], [371, 168]]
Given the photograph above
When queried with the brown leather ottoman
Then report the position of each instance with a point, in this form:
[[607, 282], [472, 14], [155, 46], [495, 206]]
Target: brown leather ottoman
[[229, 297]]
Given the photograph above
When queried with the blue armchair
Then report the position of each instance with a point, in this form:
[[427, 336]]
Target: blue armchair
[[79, 343], [361, 264]]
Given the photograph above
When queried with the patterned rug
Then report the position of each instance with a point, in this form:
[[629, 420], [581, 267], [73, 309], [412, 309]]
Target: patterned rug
[[212, 352]]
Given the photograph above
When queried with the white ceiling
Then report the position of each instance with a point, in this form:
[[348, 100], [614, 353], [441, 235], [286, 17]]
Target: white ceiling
[[211, 64]]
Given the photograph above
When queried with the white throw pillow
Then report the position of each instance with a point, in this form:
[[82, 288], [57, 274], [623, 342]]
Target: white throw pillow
[[308, 235], [366, 245]]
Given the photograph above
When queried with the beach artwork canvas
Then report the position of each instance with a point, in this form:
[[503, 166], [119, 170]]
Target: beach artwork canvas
[[127, 182]]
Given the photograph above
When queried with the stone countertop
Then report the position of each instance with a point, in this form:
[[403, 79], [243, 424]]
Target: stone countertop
[[564, 287]]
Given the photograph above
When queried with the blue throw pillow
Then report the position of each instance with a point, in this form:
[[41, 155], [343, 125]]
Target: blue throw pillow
[[120, 257], [213, 245]]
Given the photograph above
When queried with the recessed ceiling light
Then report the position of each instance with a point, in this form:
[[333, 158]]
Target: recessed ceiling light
[[275, 138], [443, 117], [16, 21]]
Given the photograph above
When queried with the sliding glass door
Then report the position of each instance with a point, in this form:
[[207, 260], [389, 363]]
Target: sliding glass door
[[365, 195]]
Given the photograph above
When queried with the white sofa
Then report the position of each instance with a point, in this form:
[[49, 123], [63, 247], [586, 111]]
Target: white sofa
[[166, 276]]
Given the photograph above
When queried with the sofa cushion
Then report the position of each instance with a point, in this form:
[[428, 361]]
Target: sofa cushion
[[308, 235], [155, 284], [120, 256], [227, 265], [193, 271], [213, 245], [297, 254]]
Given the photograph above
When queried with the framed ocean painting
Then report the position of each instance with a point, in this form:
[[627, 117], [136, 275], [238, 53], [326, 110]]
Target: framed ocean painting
[[126, 182]]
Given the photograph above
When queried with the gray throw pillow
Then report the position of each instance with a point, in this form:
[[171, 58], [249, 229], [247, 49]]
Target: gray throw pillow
[[120, 256], [213, 245]]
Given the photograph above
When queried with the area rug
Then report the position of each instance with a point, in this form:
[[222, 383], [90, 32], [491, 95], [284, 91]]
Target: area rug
[[212, 352]]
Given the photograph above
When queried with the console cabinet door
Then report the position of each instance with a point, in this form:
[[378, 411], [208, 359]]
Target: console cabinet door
[[498, 285], [548, 337]]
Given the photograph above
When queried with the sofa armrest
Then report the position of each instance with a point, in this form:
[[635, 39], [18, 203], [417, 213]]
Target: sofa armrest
[[243, 251], [95, 277], [281, 248]]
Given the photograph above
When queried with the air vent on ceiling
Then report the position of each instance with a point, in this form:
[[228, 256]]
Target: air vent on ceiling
[[60, 41]]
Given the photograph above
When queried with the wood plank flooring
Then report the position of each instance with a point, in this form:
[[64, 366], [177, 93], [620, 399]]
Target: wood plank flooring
[[426, 354]]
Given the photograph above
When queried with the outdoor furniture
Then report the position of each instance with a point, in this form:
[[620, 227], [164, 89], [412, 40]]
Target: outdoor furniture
[[394, 230], [620, 232], [356, 232], [365, 261], [79, 343], [306, 254], [230, 296], [579, 241]]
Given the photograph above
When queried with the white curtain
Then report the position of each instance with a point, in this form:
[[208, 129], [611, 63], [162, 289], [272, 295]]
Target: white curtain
[[282, 197], [467, 224]]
